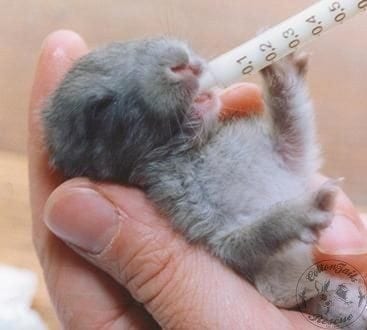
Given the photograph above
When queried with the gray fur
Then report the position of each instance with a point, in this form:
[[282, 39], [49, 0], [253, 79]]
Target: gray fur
[[240, 187], [89, 135]]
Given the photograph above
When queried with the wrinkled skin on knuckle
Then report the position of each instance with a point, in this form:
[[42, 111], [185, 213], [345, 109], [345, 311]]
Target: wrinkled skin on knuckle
[[159, 274], [181, 302], [152, 269]]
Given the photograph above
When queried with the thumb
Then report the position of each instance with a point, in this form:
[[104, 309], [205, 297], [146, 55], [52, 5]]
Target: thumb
[[119, 231]]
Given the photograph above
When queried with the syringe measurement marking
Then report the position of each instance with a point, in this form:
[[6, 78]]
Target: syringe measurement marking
[[266, 47], [362, 4], [335, 6], [318, 29], [248, 69], [291, 33]]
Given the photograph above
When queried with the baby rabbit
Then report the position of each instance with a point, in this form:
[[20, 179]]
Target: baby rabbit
[[133, 113]]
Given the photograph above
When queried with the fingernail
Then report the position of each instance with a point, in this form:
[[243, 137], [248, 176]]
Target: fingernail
[[82, 217], [344, 237]]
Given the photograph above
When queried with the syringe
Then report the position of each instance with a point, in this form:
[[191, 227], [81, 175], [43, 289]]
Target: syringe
[[279, 41]]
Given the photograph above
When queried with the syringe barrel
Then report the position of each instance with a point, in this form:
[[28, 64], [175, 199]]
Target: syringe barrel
[[279, 41]]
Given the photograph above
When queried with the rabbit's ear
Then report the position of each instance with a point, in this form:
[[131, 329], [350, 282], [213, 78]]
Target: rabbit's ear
[[326, 286], [318, 286]]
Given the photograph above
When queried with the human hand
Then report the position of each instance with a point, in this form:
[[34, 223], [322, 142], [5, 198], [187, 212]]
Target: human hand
[[110, 261]]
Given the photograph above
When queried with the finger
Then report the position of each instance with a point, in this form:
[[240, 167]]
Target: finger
[[241, 100], [178, 283], [84, 297], [347, 233], [345, 238], [58, 52]]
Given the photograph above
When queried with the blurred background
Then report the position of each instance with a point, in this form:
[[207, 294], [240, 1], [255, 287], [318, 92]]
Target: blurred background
[[337, 79]]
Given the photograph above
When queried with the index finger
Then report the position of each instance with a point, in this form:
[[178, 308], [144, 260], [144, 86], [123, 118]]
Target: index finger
[[59, 51]]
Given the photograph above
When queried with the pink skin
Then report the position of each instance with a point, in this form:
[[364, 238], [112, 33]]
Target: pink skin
[[188, 73], [180, 285], [207, 103], [192, 68]]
